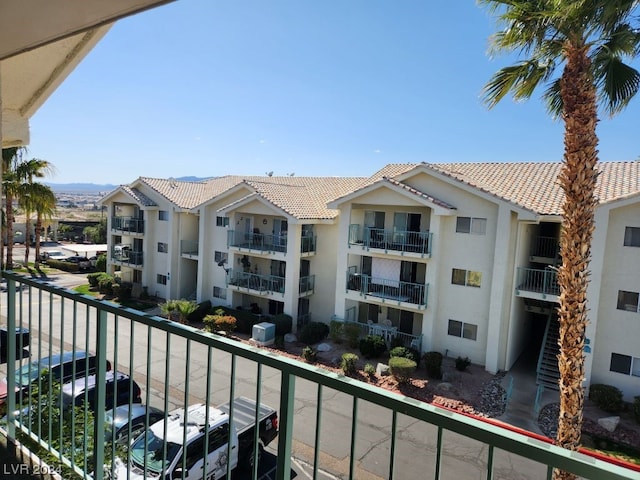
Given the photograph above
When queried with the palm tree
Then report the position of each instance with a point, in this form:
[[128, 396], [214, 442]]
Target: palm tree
[[11, 157], [588, 43], [34, 196], [42, 201]]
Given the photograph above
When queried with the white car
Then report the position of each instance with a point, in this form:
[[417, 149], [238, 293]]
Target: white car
[[53, 255]]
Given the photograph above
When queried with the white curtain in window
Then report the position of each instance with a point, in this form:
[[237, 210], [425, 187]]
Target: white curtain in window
[[387, 269]]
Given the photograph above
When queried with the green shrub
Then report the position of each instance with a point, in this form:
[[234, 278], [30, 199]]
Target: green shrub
[[94, 278], [352, 333], [433, 364], [405, 352], [101, 263], [462, 363], [336, 331], [203, 309], [245, 319], [369, 369], [606, 397], [314, 332], [636, 408], [402, 368], [220, 323], [309, 354], [105, 284], [65, 266], [283, 323], [348, 363], [372, 346]]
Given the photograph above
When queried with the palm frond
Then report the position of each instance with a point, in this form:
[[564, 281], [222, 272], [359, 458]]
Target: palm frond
[[520, 80]]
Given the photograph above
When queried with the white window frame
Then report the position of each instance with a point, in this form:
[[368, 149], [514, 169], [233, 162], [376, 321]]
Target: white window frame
[[626, 303], [468, 275], [477, 225], [634, 365], [220, 292], [163, 247], [631, 237], [163, 215], [161, 279], [468, 331]]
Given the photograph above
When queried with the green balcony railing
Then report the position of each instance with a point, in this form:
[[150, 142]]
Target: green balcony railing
[[541, 281], [127, 224], [328, 423], [388, 289], [257, 282], [264, 242], [402, 241]]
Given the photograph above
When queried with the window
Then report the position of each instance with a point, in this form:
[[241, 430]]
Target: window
[[163, 247], [468, 278], [462, 330], [627, 301], [161, 279], [219, 292], [625, 364], [219, 256], [163, 215], [222, 221], [632, 237], [475, 226]]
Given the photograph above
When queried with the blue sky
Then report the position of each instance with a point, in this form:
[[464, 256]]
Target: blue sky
[[322, 88]]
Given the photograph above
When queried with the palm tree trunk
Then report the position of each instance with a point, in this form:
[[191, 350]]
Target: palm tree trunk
[[9, 209], [37, 232], [27, 239], [578, 181]]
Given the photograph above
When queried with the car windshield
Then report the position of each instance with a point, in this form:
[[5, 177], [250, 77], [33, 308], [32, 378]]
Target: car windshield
[[153, 446], [28, 373]]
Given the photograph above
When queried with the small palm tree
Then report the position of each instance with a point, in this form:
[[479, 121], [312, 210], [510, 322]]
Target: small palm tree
[[588, 41]]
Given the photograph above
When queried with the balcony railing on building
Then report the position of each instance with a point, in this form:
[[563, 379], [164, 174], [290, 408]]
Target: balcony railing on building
[[387, 289], [542, 282], [307, 284], [255, 282], [127, 224], [127, 257], [263, 242], [545, 249], [177, 365], [402, 241], [308, 243], [189, 248]]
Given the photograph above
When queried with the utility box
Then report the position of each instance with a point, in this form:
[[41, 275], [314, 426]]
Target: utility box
[[264, 333]]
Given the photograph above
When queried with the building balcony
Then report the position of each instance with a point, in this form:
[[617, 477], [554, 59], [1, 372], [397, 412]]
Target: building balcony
[[391, 241], [255, 283], [127, 225], [258, 242], [539, 284], [308, 244], [127, 257], [387, 289], [306, 285], [189, 248], [177, 365], [544, 250]]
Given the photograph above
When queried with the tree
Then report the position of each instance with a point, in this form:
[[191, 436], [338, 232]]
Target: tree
[[34, 197], [97, 233], [588, 42], [10, 183]]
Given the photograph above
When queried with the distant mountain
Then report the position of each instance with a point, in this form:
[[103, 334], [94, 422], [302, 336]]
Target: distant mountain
[[95, 187], [80, 187]]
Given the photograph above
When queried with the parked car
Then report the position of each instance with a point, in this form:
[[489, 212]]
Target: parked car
[[61, 367], [119, 389], [83, 262], [120, 419], [53, 255]]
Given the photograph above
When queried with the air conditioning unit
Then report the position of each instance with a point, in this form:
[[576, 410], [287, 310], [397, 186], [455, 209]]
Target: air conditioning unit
[[263, 333]]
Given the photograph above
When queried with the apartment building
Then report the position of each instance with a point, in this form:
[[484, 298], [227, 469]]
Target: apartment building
[[459, 258]]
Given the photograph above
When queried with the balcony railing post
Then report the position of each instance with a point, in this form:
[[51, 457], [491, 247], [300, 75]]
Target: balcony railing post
[[285, 423], [11, 354], [101, 373]]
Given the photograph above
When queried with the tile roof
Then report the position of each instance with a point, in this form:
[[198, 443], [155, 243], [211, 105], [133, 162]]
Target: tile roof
[[535, 185], [139, 196], [532, 185], [301, 197]]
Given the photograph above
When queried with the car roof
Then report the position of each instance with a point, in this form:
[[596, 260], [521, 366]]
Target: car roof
[[59, 359], [77, 386], [120, 415], [193, 422]]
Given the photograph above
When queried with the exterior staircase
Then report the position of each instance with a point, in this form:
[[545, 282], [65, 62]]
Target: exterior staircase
[[547, 373]]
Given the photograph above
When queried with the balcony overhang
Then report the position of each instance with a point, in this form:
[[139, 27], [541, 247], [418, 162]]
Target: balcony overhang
[[41, 43]]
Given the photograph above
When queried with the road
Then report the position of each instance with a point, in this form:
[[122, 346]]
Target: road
[[151, 358]]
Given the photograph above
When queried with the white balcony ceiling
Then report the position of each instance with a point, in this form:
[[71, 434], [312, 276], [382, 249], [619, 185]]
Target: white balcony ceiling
[[41, 42]]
